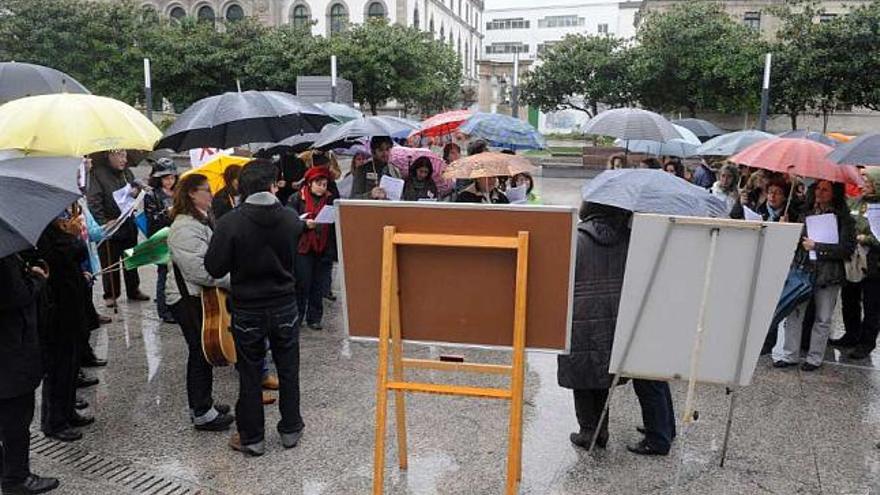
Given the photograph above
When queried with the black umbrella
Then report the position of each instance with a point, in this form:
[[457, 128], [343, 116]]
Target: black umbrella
[[18, 80], [293, 144], [234, 119], [702, 128], [350, 132], [863, 150]]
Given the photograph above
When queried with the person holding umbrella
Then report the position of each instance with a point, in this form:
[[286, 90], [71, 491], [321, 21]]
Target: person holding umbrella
[[157, 205]]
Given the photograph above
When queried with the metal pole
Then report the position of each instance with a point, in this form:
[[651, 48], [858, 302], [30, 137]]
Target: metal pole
[[514, 90], [765, 94], [148, 90], [333, 78]]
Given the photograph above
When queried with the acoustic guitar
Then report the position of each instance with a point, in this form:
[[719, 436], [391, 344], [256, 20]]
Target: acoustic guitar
[[217, 342]]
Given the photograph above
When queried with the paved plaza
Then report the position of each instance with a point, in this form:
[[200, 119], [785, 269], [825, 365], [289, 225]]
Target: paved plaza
[[793, 432]]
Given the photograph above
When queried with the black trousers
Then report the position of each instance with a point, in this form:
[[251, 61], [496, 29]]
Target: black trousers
[[658, 416], [109, 252], [59, 385], [16, 414], [199, 373], [311, 274], [851, 310], [588, 405], [870, 327], [251, 328]]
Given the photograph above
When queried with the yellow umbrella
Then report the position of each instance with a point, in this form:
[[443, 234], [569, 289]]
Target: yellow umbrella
[[74, 125], [214, 169], [839, 136]]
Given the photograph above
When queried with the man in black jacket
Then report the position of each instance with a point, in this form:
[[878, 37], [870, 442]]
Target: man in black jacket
[[20, 373], [256, 243], [108, 176]]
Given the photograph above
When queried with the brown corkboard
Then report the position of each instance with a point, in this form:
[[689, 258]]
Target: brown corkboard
[[459, 295]]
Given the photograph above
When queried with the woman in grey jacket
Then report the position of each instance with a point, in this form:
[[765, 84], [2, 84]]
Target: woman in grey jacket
[[188, 242]]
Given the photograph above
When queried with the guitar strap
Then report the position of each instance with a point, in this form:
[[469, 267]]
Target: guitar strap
[[181, 283]]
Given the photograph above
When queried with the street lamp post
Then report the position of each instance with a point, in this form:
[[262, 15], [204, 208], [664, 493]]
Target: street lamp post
[[514, 89], [148, 90], [765, 94], [333, 78]]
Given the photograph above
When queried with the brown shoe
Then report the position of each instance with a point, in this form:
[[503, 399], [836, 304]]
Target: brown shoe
[[254, 450], [268, 399], [270, 381]]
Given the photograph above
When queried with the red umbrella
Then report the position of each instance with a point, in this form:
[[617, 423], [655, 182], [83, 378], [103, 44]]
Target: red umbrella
[[443, 123], [801, 157]]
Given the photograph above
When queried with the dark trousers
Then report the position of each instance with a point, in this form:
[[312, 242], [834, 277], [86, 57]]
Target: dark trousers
[[161, 306], [870, 327], [110, 252], [851, 310], [86, 352], [311, 274], [588, 406], [327, 277], [59, 385], [658, 416], [16, 414], [199, 373], [251, 328]]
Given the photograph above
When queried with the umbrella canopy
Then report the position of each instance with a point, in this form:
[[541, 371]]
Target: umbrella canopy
[[214, 169], [681, 147], [443, 123], [233, 119], [840, 137], [701, 128], [74, 125], [402, 157], [812, 136], [19, 80], [488, 164], [632, 123], [502, 131], [863, 150], [347, 134], [339, 111], [800, 157], [652, 191], [293, 144], [34, 192], [734, 142]]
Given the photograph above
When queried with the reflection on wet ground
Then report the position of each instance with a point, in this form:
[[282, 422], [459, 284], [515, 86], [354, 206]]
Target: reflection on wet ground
[[793, 432]]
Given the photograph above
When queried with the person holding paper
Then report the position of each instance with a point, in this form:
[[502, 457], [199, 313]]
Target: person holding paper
[[419, 184], [526, 180], [482, 190], [316, 248], [366, 178], [823, 198]]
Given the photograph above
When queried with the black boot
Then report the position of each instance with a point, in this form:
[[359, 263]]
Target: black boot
[[31, 485]]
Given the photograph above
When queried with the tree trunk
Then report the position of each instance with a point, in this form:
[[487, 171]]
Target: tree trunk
[[692, 111], [793, 118], [373, 108], [826, 114]]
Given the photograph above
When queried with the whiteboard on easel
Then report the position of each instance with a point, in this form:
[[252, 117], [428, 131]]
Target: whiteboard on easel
[[662, 344]]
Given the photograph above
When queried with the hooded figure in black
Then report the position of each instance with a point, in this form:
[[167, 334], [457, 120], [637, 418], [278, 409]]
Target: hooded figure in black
[[420, 184], [602, 243]]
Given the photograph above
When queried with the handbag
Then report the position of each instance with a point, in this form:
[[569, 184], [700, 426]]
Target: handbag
[[857, 265]]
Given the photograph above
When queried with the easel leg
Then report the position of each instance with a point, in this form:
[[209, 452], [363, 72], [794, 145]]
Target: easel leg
[[397, 365], [517, 378], [382, 374], [733, 395]]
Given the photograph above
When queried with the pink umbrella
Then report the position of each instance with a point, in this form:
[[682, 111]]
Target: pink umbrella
[[801, 157], [402, 157], [442, 123]]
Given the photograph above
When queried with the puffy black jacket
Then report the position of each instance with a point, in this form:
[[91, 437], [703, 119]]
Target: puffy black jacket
[[103, 181]]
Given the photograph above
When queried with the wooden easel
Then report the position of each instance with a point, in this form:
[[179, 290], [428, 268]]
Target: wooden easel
[[389, 328]]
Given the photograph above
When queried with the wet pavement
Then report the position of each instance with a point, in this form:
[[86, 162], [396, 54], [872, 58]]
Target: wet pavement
[[793, 432]]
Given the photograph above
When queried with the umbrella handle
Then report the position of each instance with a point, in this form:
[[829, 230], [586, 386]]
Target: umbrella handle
[[790, 194]]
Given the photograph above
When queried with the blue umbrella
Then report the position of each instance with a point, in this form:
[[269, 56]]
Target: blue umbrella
[[732, 143], [502, 131], [652, 191]]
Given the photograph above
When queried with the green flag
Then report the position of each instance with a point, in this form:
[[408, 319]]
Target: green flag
[[153, 251]]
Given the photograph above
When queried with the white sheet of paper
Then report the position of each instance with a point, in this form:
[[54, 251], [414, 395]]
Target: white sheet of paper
[[326, 215], [822, 228], [393, 187], [303, 216], [345, 186], [517, 195], [751, 214], [873, 215], [123, 198]]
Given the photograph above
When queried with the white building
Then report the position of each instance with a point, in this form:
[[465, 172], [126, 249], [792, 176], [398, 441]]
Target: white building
[[528, 27]]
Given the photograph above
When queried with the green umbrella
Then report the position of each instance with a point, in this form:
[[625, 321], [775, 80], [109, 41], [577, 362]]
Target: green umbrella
[[153, 251]]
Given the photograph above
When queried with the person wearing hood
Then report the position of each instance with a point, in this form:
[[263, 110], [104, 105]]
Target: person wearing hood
[[316, 244], [420, 184], [603, 237], [726, 187], [157, 206], [256, 244]]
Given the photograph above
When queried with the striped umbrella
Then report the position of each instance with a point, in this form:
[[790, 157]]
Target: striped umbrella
[[502, 131]]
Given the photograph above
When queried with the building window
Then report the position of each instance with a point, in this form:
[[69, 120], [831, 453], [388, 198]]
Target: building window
[[504, 48], [149, 14], [205, 14], [177, 13], [543, 47], [602, 28], [752, 20], [338, 18], [234, 13], [416, 17], [516, 23], [300, 16], [375, 11], [554, 21], [467, 58], [826, 17]]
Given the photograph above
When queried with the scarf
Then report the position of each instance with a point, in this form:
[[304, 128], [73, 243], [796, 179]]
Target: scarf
[[313, 240]]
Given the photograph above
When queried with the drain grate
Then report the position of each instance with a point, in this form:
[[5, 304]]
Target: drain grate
[[121, 473]]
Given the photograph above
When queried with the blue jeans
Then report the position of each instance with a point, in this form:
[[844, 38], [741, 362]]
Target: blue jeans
[[658, 416], [251, 328], [313, 272]]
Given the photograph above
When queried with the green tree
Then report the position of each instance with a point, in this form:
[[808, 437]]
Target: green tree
[[578, 73], [695, 56]]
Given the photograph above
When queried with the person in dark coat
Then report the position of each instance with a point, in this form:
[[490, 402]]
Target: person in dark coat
[[602, 244], [482, 190], [366, 178], [419, 184], [227, 198], [157, 206], [110, 174], [20, 373]]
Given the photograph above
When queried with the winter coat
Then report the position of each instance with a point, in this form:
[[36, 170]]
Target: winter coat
[[67, 287], [20, 364], [223, 203], [188, 241], [156, 205], [602, 245], [414, 190], [362, 184], [103, 182], [299, 206], [828, 268]]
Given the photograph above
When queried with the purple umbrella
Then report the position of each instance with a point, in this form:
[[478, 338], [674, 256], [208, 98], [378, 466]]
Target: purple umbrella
[[402, 157]]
